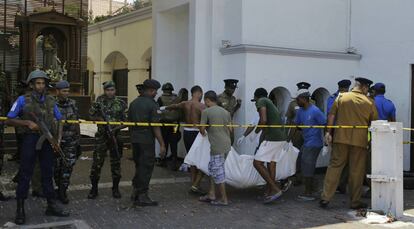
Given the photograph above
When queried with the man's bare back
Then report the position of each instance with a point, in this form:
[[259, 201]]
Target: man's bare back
[[192, 110]]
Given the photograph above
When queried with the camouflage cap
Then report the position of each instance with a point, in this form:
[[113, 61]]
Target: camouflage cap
[[108, 84]]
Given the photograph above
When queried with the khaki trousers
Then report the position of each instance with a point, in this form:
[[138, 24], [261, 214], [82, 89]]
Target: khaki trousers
[[342, 155]]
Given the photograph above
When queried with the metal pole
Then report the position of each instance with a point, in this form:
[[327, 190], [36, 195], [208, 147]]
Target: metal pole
[[63, 6], [81, 9], [4, 31]]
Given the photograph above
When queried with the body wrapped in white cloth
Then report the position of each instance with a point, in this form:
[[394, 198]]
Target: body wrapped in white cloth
[[239, 169]]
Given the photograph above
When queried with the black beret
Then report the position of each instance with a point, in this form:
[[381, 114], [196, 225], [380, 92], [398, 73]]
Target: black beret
[[139, 87], [153, 84], [364, 81], [303, 85], [232, 83], [344, 83]]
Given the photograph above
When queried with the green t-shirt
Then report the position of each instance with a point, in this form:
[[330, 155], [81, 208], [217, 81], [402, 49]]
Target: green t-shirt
[[219, 137], [143, 109], [273, 118]]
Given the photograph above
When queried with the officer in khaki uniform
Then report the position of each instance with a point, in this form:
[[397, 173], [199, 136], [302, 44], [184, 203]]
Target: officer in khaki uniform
[[227, 99], [349, 145]]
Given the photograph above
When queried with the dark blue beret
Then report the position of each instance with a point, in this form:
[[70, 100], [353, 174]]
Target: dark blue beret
[[62, 84]]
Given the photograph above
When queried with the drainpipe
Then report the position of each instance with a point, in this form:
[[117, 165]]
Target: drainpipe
[[349, 24], [100, 60]]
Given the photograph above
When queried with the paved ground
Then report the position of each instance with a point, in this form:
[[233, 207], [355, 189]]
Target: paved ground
[[178, 209]]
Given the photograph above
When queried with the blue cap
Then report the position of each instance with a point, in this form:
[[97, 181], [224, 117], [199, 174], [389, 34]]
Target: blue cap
[[378, 86], [62, 84]]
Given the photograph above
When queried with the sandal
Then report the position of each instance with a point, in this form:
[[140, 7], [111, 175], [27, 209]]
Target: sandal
[[219, 203], [272, 198], [196, 191], [206, 199]]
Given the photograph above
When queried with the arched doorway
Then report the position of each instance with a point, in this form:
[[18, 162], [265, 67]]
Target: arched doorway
[[320, 96], [147, 59], [281, 98], [117, 65]]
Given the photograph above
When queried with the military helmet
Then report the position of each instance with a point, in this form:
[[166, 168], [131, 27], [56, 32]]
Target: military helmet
[[167, 87], [37, 74]]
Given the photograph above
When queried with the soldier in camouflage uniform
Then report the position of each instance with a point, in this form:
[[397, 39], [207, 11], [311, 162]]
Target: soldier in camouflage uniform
[[70, 139], [115, 110], [227, 100], [171, 137]]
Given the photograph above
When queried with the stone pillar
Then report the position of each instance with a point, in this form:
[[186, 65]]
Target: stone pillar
[[387, 167]]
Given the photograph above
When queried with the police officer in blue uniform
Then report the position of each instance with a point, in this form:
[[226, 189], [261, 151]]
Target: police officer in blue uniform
[[385, 107], [343, 86], [38, 103]]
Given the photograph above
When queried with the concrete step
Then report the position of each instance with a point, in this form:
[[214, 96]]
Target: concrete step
[[84, 148]]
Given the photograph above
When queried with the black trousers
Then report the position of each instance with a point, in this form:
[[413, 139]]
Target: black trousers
[[189, 138], [144, 158], [27, 163], [171, 139]]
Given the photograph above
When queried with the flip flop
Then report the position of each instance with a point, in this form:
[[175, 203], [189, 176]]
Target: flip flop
[[206, 199], [273, 198], [197, 191], [218, 203]]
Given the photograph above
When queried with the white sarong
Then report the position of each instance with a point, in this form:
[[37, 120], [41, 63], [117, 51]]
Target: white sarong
[[271, 151]]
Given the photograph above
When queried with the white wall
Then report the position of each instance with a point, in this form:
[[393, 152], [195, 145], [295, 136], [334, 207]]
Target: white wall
[[383, 32], [171, 59], [271, 71], [303, 24]]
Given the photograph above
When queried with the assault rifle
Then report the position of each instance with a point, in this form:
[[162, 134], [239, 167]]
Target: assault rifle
[[46, 135], [113, 142]]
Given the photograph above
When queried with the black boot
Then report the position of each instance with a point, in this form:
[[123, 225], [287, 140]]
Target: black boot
[[62, 195], [20, 215], [144, 200], [134, 195], [94, 191], [115, 189], [54, 210], [3, 197]]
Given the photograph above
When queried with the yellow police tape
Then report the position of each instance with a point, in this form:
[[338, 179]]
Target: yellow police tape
[[146, 124]]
